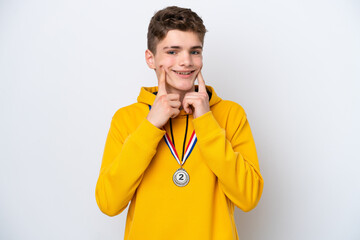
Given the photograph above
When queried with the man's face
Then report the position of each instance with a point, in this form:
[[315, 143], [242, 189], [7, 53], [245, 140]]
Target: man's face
[[180, 55]]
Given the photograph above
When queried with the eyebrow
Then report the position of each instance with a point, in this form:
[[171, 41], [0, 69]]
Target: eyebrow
[[178, 47]]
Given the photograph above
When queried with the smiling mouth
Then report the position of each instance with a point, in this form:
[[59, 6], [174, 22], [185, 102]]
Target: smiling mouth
[[184, 72]]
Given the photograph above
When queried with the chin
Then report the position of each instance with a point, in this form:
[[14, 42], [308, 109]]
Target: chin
[[184, 86]]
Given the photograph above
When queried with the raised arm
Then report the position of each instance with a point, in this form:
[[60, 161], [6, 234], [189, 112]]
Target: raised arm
[[125, 160], [128, 153], [231, 155]]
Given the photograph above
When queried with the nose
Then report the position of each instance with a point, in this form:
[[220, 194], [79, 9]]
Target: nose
[[185, 59]]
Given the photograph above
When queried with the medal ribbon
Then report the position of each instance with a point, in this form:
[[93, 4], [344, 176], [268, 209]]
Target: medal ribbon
[[189, 148]]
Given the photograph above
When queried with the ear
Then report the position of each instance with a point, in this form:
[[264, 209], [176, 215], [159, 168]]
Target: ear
[[150, 59]]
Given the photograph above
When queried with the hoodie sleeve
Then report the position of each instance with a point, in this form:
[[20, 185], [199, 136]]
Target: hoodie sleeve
[[126, 157], [231, 155]]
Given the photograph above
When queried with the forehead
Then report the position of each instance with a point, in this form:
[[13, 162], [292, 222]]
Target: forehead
[[183, 39]]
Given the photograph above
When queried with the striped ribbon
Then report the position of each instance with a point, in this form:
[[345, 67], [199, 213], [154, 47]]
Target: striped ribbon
[[189, 148]]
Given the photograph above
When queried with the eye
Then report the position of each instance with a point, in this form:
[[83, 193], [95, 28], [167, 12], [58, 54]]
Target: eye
[[171, 52], [195, 52]]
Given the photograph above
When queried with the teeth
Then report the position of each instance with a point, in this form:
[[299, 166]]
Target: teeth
[[183, 73]]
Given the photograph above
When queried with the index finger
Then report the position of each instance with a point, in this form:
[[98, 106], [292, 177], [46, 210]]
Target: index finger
[[202, 87], [161, 83]]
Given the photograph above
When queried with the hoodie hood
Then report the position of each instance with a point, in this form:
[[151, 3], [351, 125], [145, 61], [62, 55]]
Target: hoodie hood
[[148, 94]]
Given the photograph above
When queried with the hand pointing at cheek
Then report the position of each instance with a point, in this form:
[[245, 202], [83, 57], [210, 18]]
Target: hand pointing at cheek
[[197, 103], [165, 106]]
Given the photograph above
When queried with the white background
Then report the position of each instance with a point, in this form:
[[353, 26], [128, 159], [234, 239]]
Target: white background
[[66, 66]]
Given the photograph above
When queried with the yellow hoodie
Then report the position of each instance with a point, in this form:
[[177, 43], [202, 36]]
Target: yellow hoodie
[[138, 167]]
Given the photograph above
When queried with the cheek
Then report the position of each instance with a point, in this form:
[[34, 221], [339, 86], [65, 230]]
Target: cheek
[[198, 62], [166, 62]]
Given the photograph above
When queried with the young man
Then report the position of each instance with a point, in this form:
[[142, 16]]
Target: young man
[[181, 155]]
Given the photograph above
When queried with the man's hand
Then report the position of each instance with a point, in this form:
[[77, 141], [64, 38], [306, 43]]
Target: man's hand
[[197, 103], [165, 105]]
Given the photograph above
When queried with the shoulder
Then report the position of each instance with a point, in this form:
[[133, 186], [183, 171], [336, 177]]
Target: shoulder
[[128, 118], [132, 111], [229, 108]]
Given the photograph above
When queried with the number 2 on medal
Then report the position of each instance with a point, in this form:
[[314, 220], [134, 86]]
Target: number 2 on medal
[[181, 177]]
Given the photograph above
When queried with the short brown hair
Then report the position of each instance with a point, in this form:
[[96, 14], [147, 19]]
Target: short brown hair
[[173, 18]]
